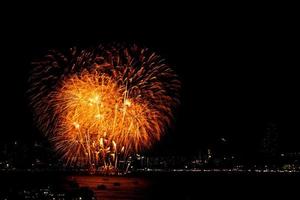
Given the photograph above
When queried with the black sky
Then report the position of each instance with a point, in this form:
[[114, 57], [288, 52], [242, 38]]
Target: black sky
[[238, 71]]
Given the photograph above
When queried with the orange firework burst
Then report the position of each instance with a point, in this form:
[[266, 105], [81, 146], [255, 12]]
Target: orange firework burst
[[97, 104]]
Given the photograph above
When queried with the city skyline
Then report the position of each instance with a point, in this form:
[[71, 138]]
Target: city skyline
[[234, 134]]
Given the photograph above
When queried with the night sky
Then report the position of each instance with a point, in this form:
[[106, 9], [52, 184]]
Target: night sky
[[238, 72]]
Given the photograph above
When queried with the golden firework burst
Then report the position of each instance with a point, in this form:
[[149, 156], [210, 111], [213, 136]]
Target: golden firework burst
[[97, 104]]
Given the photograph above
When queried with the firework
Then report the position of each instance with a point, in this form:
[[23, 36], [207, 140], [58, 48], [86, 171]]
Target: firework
[[98, 104]]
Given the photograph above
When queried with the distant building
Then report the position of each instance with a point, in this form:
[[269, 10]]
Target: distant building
[[270, 144]]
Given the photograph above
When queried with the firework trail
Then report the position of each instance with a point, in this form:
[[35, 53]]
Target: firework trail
[[96, 104]]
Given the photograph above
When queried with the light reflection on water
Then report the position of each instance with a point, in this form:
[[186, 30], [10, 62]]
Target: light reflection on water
[[114, 187], [145, 186]]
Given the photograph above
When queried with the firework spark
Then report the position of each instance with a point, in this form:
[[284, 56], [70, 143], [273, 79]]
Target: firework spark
[[96, 104]]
